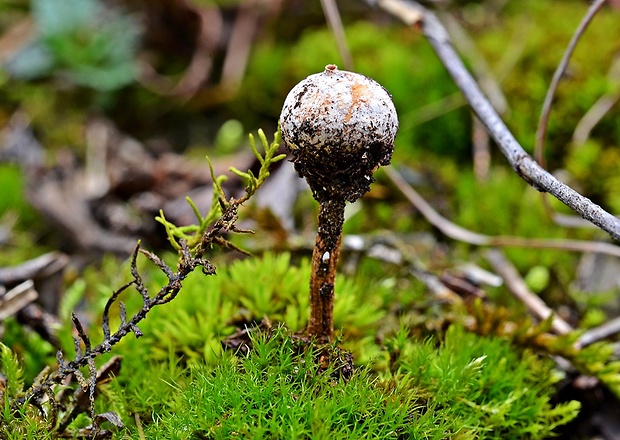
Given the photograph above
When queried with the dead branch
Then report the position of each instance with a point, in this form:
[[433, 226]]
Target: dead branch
[[541, 132], [459, 233], [522, 163], [332, 15], [600, 108], [519, 289], [86, 352], [36, 268], [599, 333]]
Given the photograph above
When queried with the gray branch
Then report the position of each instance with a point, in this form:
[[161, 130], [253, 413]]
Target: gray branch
[[524, 165]]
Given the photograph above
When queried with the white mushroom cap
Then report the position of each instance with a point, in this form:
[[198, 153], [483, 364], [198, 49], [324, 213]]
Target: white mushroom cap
[[340, 127]]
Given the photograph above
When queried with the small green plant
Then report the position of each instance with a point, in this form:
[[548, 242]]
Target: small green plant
[[84, 41], [246, 291], [26, 422], [466, 387], [58, 413], [193, 235]]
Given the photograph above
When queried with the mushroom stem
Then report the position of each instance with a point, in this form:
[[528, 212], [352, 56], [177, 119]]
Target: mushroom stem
[[324, 264]]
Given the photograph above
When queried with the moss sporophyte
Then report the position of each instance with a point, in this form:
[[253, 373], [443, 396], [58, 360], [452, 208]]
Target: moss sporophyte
[[339, 127]]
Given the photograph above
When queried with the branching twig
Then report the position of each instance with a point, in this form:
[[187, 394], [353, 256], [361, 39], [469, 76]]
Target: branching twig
[[541, 132], [543, 122], [85, 357], [522, 162]]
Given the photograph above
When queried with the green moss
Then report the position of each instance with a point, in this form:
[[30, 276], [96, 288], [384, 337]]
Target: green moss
[[242, 294], [276, 393], [484, 383], [28, 423], [466, 387], [178, 382]]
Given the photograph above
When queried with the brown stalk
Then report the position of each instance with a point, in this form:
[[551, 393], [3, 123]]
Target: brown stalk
[[324, 264]]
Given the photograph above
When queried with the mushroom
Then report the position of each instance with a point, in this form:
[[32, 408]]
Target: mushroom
[[339, 127]]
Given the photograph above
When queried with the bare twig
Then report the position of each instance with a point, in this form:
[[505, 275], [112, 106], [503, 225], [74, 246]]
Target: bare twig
[[39, 267], [541, 132], [519, 289], [239, 45], [189, 261], [16, 299], [464, 43], [522, 163], [603, 331], [332, 15], [86, 353], [459, 233], [600, 108]]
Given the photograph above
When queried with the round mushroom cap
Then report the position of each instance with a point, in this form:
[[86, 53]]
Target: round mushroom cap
[[340, 127]]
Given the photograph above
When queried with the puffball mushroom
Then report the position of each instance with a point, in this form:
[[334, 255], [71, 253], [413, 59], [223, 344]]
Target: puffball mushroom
[[339, 127]]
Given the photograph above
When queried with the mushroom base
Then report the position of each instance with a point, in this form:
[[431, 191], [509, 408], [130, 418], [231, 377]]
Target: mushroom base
[[343, 176]]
